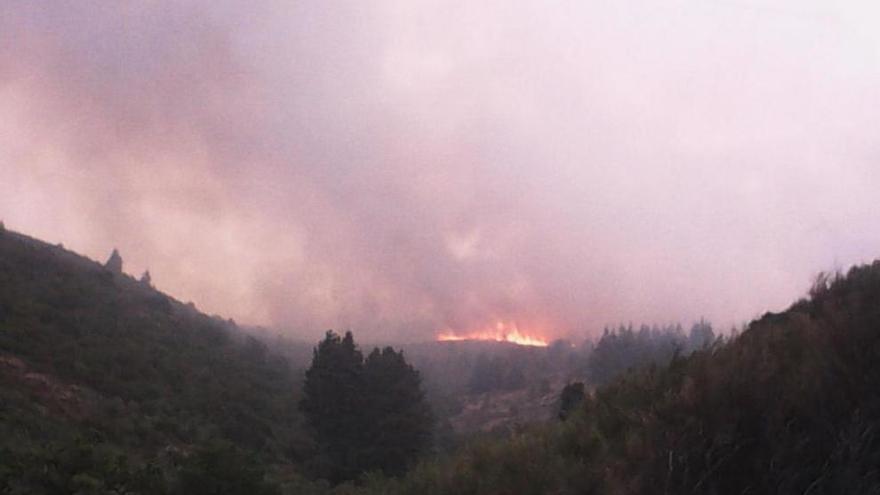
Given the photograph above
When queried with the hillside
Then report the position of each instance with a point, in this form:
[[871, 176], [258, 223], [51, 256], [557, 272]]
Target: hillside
[[791, 406], [487, 386], [103, 378], [109, 386]]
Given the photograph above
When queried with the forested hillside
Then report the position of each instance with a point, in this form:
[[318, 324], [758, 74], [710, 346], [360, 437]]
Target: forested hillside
[[109, 386], [791, 406], [106, 382]]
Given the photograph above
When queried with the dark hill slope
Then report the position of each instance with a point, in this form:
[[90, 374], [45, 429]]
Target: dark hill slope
[[791, 406], [97, 360]]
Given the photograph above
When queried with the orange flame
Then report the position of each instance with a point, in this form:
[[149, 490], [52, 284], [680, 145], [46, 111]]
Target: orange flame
[[501, 333]]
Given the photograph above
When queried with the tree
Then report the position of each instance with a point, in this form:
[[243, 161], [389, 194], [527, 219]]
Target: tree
[[114, 263], [333, 405], [399, 419], [701, 335], [623, 349], [365, 414]]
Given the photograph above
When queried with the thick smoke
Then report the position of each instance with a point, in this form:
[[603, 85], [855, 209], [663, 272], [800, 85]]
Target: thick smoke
[[402, 168]]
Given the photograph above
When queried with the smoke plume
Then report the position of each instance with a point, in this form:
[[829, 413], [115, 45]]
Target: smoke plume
[[404, 168]]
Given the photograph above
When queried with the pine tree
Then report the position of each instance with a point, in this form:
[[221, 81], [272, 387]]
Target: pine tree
[[365, 415], [701, 336], [398, 418], [114, 263], [333, 405]]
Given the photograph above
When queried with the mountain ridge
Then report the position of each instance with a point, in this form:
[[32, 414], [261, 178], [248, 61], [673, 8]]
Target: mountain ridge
[[94, 357]]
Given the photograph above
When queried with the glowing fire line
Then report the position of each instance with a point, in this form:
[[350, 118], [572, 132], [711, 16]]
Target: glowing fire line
[[500, 334]]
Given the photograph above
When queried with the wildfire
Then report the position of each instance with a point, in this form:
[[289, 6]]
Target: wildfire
[[501, 333]]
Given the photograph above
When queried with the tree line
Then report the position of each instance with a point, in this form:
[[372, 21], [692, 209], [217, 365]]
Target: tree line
[[624, 348]]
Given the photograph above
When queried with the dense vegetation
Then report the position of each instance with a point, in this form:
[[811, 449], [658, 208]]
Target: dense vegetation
[[104, 380], [791, 406], [108, 386], [367, 414], [620, 350]]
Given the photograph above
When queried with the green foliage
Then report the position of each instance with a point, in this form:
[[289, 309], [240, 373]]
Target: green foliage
[[397, 417], [107, 386], [366, 414], [333, 405], [222, 469], [92, 361], [80, 466], [624, 349], [791, 406]]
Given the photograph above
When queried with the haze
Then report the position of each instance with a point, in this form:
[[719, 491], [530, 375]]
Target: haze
[[403, 168]]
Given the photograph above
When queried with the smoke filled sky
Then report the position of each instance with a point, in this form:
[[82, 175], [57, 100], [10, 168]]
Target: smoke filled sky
[[403, 168]]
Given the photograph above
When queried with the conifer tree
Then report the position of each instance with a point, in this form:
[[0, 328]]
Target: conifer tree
[[365, 414], [398, 418], [333, 404], [114, 263]]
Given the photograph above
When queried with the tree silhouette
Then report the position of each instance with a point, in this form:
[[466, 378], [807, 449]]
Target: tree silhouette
[[701, 336], [333, 405], [114, 263], [365, 415], [398, 418]]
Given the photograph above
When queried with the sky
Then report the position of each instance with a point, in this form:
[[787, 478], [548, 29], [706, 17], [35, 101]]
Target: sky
[[405, 168]]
